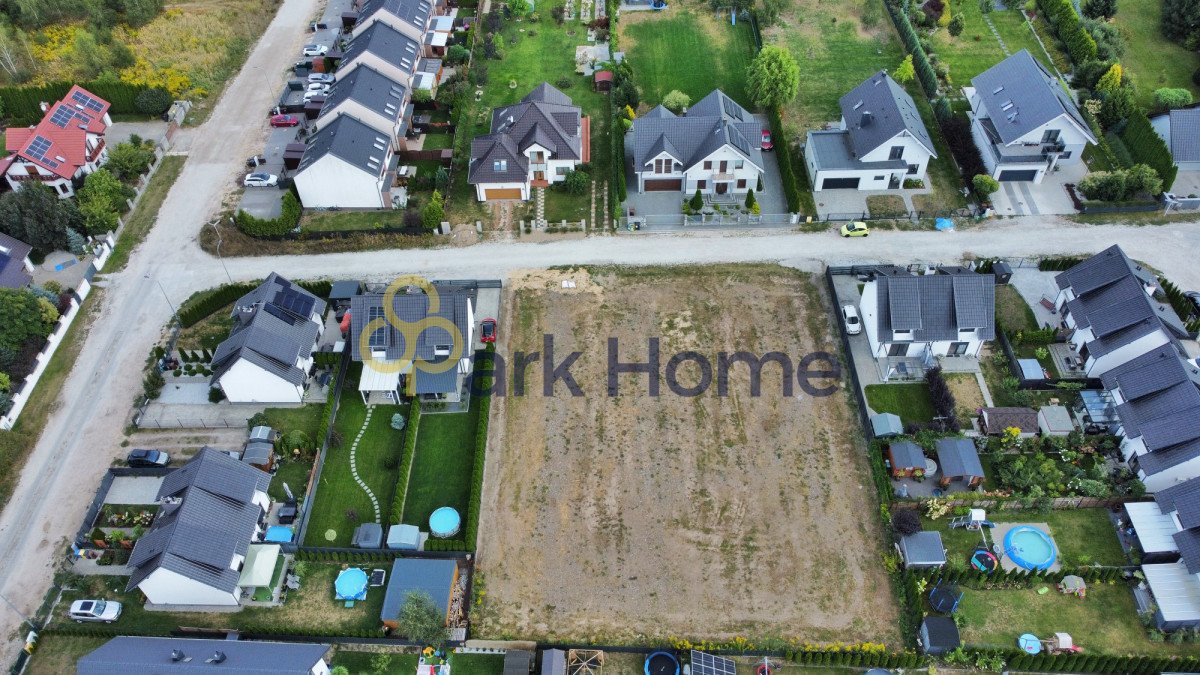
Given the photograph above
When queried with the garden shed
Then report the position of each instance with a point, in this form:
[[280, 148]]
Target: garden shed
[[939, 635], [886, 425], [923, 549], [518, 662], [1031, 369], [995, 421], [906, 459], [1055, 420], [602, 80], [435, 577], [554, 662], [341, 292], [959, 461], [404, 538], [259, 454], [368, 535]]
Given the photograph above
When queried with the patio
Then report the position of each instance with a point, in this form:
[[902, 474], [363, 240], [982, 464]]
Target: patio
[[1033, 285], [1039, 199]]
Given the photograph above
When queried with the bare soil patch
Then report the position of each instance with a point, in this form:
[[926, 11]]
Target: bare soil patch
[[633, 517], [968, 397]]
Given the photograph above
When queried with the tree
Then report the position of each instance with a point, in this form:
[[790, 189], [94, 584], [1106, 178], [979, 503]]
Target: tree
[[1180, 19], [625, 93], [421, 621], [153, 101], [749, 199], [773, 78], [23, 315], [1168, 97], [101, 199], [76, 243], [986, 6], [441, 178], [577, 182], [984, 185], [5, 382], [1116, 107], [1100, 9], [130, 160], [519, 7], [906, 522], [956, 25], [676, 101], [904, 72], [434, 212], [1111, 80], [457, 54], [697, 201], [35, 215], [946, 17]]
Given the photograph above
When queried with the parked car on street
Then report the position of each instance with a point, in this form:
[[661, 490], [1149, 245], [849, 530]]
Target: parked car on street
[[323, 78], [855, 229], [315, 50], [850, 316], [94, 610], [488, 331], [1194, 297], [767, 143], [285, 120], [260, 180], [147, 458], [318, 86]]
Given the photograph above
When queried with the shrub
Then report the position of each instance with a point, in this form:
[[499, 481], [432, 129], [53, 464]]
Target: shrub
[[564, 83], [407, 450], [956, 26], [129, 160], [1147, 147], [215, 394], [957, 131], [787, 174], [944, 405], [288, 219], [434, 212], [984, 185], [1100, 9], [577, 182], [906, 522], [154, 101], [676, 101], [1169, 97], [1108, 186]]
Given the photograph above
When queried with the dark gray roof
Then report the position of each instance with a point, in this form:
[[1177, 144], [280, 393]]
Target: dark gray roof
[[517, 662], [208, 516], [284, 294], [435, 383], [907, 455], [942, 633], [832, 150], [1188, 543], [418, 574], [1185, 135], [130, 654], [554, 662], [546, 116], [714, 122], [936, 306], [388, 44], [958, 457], [344, 290], [12, 262], [1157, 370], [410, 308], [1160, 460], [1020, 96], [923, 548], [413, 12], [372, 90], [272, 328], [352, 141], [257, 452], [879, 109], [1183, 498], [368, 535], [1101, 270], [1025, 419]]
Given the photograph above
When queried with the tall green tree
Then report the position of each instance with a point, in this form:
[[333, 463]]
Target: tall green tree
[[101, 200], [421, 621], [904, 72], [1181, 19], [24, 315], [773, 78], [1100, 9], [434, 212], [35, 215]]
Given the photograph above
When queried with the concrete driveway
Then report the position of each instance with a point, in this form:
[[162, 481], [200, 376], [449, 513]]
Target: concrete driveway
[[1049, 197], [267, 202], [120, 132]]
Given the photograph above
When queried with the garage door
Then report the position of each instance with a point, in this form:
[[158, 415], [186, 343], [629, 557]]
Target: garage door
[[505, 193], [1018, 175], [839, 184], [675, 185]]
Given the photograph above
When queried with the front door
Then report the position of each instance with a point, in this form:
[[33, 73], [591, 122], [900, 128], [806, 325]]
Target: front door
[[722, 188], [539, 175]]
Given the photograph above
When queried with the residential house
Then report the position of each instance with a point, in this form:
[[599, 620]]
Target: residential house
[[387, 50], [532, 144], [372, 98], [910, 320], [438, 579], [997, 421], [347, 164], [268, 353], [63, 148], [1181, 131], [436, 367], [16, 270], [213, 508], [165, 655], [411, 17], [959, 461], [1024, 121], [1107, 303], [879, 143], [1167, 532], [715, 147]]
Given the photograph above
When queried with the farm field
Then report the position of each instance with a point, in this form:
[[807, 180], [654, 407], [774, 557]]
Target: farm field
[[1150, 59], [643, 517]]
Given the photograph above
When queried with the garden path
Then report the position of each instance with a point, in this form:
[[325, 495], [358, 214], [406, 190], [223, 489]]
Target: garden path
[[354, 464]]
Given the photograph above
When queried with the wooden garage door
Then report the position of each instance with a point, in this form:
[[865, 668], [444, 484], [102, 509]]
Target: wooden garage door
[[1022, 175], [662, 185], [505, 193], [839, 184]]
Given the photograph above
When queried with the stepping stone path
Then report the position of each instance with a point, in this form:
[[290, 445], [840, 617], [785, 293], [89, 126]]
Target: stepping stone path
[[569, 12], [585, 11], [354, 465], [540, 214], [988, 20]]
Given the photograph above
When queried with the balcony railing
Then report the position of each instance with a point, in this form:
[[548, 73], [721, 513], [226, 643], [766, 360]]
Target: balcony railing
[[539, 167]]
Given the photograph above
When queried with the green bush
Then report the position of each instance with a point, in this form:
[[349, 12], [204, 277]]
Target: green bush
[[23, 104], [154, 101], [201, 305], [787, 173], [1147, 147], [277, 227]]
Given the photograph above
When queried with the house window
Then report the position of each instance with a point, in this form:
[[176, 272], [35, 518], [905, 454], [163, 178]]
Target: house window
[[708, 166], [896, 152], [1066, 154], [662, 165], [912, 169], [741, 184], [880, 177], [62, 188], [701, 185], [561, 171], [1050, 136], [739, 164], [500, 165], [678, 167]]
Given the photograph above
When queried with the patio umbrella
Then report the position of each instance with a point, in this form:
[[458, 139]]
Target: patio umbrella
[[1029, 643], [351, 584], [1072, 584]]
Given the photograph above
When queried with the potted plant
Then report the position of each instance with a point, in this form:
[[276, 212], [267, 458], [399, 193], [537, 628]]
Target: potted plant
[[98, 538], [116, 537]]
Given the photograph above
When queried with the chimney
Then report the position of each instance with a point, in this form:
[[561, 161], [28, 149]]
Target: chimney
[[177, 656], [217, 657], [866, 120]]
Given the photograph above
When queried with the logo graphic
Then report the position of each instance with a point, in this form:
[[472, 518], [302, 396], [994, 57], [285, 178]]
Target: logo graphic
[[411, 331]]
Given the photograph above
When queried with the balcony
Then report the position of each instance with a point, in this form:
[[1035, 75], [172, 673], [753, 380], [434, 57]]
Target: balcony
[[534, 167], [91, 156]]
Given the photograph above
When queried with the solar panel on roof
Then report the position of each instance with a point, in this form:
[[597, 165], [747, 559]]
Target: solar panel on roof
[[62, 117], [707, 664], [87, 101], [280, 314], [300, 304], [379, 337]]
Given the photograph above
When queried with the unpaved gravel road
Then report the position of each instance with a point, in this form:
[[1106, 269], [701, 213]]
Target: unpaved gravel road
[[82, 438]]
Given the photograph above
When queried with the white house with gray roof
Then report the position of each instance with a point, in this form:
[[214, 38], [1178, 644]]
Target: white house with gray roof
[[373, 99], [1024, 121], [1181, 131], [910, 320], [880, 141], [533, 143], [165, 655], [347, 164], [268, 353], [1168, 534], [384, 49], [213, 509], [715, 147], [411, 17]]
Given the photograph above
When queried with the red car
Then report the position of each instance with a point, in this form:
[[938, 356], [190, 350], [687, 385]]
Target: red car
[[488, 332], [285, 120], [767, 144]]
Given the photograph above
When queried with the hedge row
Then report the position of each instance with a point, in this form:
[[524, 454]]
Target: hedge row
[[357, 557], [856, 657], [1059, 264], [1067, 26], [201, 305], [287, 221], [327, 412], [1147, 147], [1094, 663], [24, 104], [453, 545], [484, 370], [326, 359], [407, 451], [1089, 573], [912, 44], [787, 173], [617, 131], [1179, 302]]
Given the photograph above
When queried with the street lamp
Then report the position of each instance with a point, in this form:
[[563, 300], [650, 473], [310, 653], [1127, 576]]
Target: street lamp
[[174, 314], [217, 231]]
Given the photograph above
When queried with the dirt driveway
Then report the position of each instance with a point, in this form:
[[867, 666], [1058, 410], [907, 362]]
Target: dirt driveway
[[632, 517]]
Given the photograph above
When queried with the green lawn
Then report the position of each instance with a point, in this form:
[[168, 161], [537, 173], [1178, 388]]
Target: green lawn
[[437, 141], [1106, 621], [377, 456], [208, 332], [1082, 535], [1012, 312], [442, 466], [909, 401], [977, 49], [666, 49], [329, 221], [1150, 59], [476, 664], [571, 208], [57, 654], [366, 662]]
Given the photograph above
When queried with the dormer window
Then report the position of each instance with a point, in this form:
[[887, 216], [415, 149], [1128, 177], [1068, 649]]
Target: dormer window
[[441, 350], [500, 165]]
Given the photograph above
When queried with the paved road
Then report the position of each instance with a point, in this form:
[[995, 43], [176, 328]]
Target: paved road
[[82, 438]]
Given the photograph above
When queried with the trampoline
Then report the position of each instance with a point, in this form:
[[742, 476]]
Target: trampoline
[[944, 598], [983, 560], [662, 663], [1030, 548], [351, 584], [444, 522], [278, 534]]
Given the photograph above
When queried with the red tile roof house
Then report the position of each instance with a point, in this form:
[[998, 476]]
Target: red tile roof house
[[65, 146]]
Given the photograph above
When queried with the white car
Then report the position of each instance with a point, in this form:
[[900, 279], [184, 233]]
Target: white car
[[260, 180], [94, 610], [315, 50], [308, 95], [850, 317], [318, 86], [322, 78]]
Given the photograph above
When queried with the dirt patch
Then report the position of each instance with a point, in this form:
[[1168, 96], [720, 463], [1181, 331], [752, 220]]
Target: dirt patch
[[811, 18], [636, 517], [967, 395]]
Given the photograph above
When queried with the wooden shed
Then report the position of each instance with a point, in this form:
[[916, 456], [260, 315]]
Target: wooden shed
[[602, 80]]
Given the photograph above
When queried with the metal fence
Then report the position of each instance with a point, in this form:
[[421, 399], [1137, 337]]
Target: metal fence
[[914, 216], [710, 220], [141, 421]]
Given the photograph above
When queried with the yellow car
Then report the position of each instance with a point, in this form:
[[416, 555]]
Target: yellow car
[[855, 229]]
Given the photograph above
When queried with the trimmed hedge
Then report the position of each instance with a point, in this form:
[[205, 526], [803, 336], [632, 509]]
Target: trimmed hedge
[[1147, 147], [277, 227], [202, 304], [484, 370], [446, 545], [327, 412], [787, 173], [406, 459], [23, 104]]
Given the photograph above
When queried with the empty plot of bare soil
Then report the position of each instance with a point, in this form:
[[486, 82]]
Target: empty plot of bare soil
[[634, 517]]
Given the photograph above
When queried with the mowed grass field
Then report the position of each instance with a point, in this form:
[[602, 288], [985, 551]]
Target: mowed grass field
[[442, 466], [977, 49], [1150, 59], [686, 47]]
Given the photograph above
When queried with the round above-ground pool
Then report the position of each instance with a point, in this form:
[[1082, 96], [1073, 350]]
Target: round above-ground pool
[[444, 522], [662, 663], [1030, 548]]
